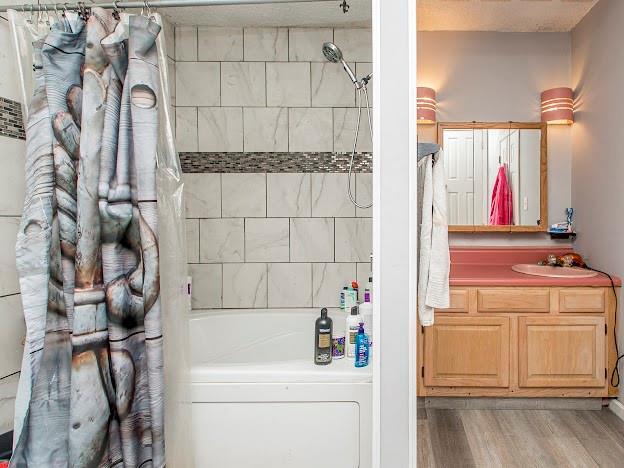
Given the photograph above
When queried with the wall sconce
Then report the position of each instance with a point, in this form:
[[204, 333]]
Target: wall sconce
[[558, 106], [426, 105]]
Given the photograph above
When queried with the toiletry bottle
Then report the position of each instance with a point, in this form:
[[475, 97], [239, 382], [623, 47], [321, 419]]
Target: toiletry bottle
[[369, 288], [322, 339], [361, 347], [338, 342], [356, 287], [366, 312], [353, 321]]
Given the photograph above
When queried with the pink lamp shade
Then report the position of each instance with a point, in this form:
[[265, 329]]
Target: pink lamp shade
[[558, 106], [426, 105]]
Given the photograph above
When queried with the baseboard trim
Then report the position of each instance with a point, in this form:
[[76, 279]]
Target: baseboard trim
[[617, 407], [6, 445], [502, 403]]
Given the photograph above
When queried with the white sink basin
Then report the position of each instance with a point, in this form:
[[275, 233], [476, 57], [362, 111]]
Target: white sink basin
[[553, 272]]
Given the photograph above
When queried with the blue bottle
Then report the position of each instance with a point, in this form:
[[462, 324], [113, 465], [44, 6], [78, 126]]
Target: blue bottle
[[361, 347]]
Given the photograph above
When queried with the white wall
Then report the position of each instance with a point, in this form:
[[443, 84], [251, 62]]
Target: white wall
[[486, 76], [12, 328], [598, 153]]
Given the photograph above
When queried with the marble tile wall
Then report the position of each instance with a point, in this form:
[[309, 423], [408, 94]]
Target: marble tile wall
[[267, 89], [12, 149], [275, 240]]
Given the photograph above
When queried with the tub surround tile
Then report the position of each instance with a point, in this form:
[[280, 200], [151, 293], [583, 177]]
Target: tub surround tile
[[266, 129], [363, 273], [329, 196], [244, 285], [266, 44], [220, 44], [197, 84], [288, 195], [344, 131], [354, 238], [12, 176], [312, 240], [8, 390], [222, 240], [203, 195], [243, 84], [328, 279], [169, 32], [288, 84], [192, 240], [185, 44], [266, 240], [207, 285], [11, 119], [363, 193], [12, 334], [331, 87], [186, 128], [221, 129], [290, 285], [310, 129], [305, 44], [356, 43], [9, 283], [244, 195], [171, 82]]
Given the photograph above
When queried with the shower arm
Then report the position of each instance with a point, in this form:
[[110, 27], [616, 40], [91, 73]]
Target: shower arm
[[51, 7]]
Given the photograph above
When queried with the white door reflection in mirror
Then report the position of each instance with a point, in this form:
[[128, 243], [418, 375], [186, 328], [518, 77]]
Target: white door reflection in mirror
[[491, 167]]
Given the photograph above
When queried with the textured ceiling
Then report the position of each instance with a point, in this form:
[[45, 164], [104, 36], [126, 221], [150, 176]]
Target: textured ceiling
[[501, 15]]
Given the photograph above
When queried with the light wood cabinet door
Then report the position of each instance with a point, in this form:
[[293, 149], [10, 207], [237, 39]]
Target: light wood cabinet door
[[561, 351], [467, 352]]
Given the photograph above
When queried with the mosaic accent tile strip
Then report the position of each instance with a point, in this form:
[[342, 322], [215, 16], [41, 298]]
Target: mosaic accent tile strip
[[274, 162], [11, 121]]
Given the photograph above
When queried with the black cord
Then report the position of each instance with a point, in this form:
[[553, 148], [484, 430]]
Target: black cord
[[615, 375]]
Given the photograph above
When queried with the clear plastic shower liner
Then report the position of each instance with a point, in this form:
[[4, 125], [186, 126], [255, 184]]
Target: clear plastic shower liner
[[175, 300]]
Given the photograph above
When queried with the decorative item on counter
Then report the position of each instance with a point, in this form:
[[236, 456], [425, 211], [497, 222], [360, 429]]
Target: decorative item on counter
[[323, 339], [353, 321], [362, 347], [571, 259], [563, 229]]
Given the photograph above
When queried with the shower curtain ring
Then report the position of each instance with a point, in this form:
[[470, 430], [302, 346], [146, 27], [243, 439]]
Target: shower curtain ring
[[116, 10]]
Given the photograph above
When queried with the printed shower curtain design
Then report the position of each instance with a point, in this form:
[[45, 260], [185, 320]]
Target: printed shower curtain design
[[88, 250]]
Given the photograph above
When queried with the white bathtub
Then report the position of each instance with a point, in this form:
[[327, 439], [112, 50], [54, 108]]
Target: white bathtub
[[259, 400]]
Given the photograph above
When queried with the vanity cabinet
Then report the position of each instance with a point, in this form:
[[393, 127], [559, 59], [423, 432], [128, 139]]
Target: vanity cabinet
[[499, 341]]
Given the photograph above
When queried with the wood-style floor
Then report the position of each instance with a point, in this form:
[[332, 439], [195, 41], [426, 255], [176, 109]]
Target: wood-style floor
[[450, 438]]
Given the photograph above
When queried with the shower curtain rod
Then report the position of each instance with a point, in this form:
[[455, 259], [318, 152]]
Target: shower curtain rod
[[52, 7]]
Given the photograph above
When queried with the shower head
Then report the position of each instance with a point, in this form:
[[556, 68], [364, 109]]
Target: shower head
[[334, 54]]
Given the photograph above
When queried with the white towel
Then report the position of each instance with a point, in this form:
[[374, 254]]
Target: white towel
[[435, 264]]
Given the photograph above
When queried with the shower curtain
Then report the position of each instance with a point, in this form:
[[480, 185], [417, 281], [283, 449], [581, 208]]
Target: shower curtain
[[90, 246]]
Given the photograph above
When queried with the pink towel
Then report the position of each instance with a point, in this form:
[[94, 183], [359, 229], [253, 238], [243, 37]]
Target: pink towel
[[501, 210]]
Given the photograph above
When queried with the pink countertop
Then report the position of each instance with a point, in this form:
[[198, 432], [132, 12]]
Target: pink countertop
[[491, 266]]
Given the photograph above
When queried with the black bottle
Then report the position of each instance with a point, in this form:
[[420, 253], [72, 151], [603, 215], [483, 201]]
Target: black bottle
[[323, 339]]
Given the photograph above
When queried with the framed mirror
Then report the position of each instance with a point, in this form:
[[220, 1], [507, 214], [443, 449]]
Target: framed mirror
[[496, 176]]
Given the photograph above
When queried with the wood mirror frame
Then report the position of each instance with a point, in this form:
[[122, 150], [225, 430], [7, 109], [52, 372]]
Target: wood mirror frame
[[543, 225]]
